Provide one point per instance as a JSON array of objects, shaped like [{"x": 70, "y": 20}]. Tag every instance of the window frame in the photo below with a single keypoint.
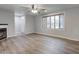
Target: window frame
[
  {"x": 55, "y": 21},
  {"x": 46, "y": 23}
]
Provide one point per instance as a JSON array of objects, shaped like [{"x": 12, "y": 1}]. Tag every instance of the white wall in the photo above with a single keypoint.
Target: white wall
[
  {"x": 71, "y": 25},
  {"x": 7, "y": 17},
  {"x": 29, "y": 24}
]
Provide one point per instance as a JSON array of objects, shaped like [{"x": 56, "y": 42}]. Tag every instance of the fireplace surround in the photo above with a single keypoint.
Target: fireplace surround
[{"x": 3, "y": 33}]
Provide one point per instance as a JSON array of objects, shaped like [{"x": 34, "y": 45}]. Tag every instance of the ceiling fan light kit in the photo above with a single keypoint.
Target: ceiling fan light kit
[{"x": 36, "y": 10}]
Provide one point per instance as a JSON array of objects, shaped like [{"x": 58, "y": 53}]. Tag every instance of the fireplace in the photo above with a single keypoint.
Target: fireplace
[{"x": 3, "y": 33}]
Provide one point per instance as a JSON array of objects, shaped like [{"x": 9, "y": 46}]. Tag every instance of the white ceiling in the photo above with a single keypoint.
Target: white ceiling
[{"x": 24, "y": 8}]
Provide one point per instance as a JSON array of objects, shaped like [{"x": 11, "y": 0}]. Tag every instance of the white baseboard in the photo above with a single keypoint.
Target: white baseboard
[
  {"x": 63, "y": 37},
  {"x": 19, "y": 34},
  {"x": 69, "y": 38},
  {"x": 11, "y": 36}
]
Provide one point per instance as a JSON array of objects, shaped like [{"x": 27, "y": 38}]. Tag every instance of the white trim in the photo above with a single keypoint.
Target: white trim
[
  {"x": 18, "y": 35},
  {"x": 69, "y": 38},
  {"x": 11, "y": 36}
]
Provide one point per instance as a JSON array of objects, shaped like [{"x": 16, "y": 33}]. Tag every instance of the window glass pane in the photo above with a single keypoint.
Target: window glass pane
[
  {"x": 52, "y": 22},
  {"x": 57, "y": 21},
  {"x": 48, "y": 22},
  {"x": 43, "y": 22},
  {"x": 61, "y": 21}
]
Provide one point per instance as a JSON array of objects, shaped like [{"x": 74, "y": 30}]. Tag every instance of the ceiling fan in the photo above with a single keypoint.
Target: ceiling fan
[{"x": 35, "y": 9}]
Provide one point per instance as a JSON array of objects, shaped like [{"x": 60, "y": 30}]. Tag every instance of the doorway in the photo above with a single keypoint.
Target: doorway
[{"x": 19, "y": 24}]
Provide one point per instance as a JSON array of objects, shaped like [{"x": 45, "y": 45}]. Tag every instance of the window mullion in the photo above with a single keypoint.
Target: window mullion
[
  {"x": 46, "y": 22},
  {"x": 59, "y": 21},
  {"x": 54, "y": 22},
  {"x": 50, "y": 22}
]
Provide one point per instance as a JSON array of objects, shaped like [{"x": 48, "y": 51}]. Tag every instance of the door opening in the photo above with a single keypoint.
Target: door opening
[{"x": 19, "y": 24}]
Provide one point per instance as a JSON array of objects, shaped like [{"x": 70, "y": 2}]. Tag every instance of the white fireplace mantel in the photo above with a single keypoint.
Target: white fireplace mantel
[{"x": 3, "y": 26}]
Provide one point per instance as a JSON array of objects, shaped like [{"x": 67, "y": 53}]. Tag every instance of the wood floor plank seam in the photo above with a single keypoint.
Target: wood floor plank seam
[{"x": 38, "y": 44}]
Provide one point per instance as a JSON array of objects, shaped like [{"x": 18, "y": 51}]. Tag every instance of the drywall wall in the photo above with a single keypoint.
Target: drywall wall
[
  {"x": 29, "y": 24},
  {"x": 71, "y": 25},
  {"x": 7, "y": 17}
]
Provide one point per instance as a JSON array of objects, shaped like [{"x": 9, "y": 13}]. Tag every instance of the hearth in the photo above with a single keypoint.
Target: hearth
[{"x": 3, "y": 33}]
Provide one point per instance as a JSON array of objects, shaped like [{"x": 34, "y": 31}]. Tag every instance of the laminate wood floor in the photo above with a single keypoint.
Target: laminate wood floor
[{"x": 38, "y": 44}]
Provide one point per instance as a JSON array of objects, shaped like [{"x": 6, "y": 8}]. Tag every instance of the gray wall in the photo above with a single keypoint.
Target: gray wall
[
  {"x": 7, "y": 17},
  {"x": 71, "y": 25},
  {"x": 29, "y": 24}
]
